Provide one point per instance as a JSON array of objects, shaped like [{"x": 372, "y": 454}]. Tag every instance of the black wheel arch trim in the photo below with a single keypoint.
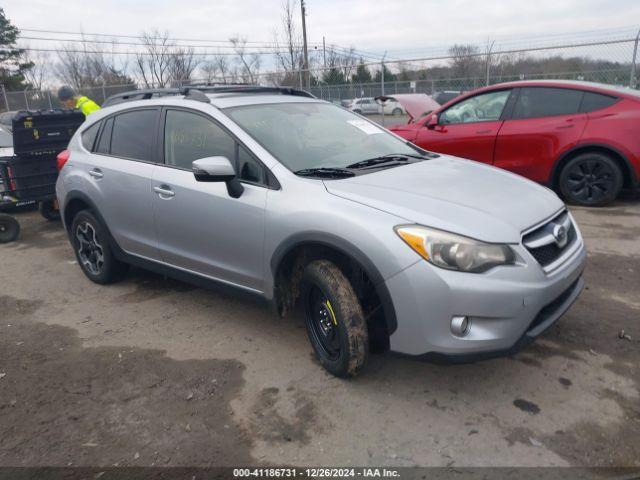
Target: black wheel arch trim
[
  {"x": 348, "y": 249},
  {"x": 633, "y": 179}
]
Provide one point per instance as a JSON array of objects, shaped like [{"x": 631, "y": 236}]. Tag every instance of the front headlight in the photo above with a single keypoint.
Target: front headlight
[{"x": 455, "y": 252}]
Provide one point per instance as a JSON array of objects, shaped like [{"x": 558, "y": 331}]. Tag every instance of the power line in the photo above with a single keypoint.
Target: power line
[
  {"x": 120, "y": 52},
  {"x": 116, "y": 35},
  {"x": 63, "y": 40}
]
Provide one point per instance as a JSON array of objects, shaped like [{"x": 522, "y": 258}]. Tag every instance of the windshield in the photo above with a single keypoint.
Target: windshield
[{"x": 314, "y": 135}]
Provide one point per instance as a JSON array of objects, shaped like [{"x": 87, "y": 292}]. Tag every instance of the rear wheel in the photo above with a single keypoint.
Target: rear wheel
[
  {"x": 9, "y": 228},
  {"x": 591, "y": 179},
  {"x": 334, "y": 319},
  {"x": 397, "y": 111},
  {"x": 92, "y": 249}
]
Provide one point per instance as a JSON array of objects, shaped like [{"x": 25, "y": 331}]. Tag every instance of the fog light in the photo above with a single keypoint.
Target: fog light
[{"x": 460, "y": 326}]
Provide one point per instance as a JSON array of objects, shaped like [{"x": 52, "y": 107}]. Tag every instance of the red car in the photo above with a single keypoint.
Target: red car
[{"x": 581, "y": 139}]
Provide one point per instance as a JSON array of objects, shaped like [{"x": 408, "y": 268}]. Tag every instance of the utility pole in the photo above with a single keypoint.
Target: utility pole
[
  {"x": 307, "y": 77},
  {"x": 324, "y": 53},
  {"x": 382, "y": 84},
  {"x": 632, "y": 80}
]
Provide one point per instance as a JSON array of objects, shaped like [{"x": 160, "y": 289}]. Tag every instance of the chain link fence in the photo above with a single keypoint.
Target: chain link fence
[{"x": 606, "y": 58}]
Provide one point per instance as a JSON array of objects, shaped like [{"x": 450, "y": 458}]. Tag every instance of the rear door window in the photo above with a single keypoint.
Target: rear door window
[
  {"x": 538, "y": 102},
  {"x": 133, "y": 134},
  {"x": 104, "y": 145},
  {"x": 596, "y": 101}
]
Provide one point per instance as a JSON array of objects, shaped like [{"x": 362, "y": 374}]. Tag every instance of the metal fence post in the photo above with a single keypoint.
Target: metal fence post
[
  {"x": 49, "y": 98},
  {"x": 26, "y": 100},
  {"x": 4, "y": 95},
  {"x": 632, "y": 79}
]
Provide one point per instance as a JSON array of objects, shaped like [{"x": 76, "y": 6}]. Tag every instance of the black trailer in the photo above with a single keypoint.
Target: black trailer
[{"x": 29, "y": 175}]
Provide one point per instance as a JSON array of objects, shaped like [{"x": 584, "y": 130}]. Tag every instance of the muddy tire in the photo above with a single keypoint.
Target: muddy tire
[
  {"x": 335, "y": 323},
  {"x": 93, "y": 251}
]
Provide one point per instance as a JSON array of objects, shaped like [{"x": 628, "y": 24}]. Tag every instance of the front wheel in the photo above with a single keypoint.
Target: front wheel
[
  {"x": 591, "y": 179},
  {"x": 9, "y": 228},
  {"x": 335, "y": 323},
  {"x": 92, "y": 249},
  {"x": 397, "y": 111}
]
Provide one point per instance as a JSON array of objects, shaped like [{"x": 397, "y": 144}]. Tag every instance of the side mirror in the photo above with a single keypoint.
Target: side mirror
[
  {"x": 217, "y": 169},
  {"x": 432, "y": 122}
]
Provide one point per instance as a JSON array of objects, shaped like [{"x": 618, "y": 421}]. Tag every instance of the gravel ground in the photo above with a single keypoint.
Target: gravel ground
[{"x": 156, "y": 372}]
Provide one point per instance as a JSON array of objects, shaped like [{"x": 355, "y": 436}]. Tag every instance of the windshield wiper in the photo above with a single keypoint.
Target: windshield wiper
[
  {"x": 326, "y": 172},
  {"x": 401, "y": 158}
]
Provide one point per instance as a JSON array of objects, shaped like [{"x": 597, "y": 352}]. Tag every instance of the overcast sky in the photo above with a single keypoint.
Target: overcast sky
[{"x": 402, "y": 27}]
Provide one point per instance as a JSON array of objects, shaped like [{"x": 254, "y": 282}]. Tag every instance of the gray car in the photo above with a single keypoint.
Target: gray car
[{"x": 383, "y": 245}]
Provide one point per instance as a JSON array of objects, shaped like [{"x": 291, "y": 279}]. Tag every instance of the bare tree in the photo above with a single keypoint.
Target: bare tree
[
  {"x": 218, "y": 68},
  {"x": 183, "y": 64},
  {"x": 153, "y": 65},
  {"x": 249, "y": 63},
  {"x": 38, "y": 74},
  {"x": 341, "y": 65},
  {"x": 465, "y": 61},
  {"x": 291, "y": 60},
  {"x": 90, "y": 65}
]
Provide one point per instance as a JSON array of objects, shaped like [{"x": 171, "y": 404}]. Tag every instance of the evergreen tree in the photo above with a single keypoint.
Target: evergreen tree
[
  {"x": 388, "y": 76},
  {"x": 11, "y": 67},
  {"x": 362, "y": 75}
]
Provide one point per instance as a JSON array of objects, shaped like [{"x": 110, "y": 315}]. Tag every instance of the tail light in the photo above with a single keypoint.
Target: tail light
[
  {"x": 62, "y": 158},
  {"x": 12, "y": 183}
]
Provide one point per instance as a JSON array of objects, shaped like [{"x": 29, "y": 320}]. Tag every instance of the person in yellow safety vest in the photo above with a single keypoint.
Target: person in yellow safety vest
[{"x": 71, "y": 99}]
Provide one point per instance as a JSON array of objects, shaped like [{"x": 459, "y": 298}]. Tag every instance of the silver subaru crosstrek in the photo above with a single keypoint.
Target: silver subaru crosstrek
[{"x": 382, "y": 245}]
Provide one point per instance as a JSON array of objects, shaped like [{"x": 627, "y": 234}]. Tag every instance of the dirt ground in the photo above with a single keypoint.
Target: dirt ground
[{"x": 156, "y": 372}]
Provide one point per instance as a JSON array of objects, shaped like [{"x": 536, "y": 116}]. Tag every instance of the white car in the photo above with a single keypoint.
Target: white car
[{"x": 369, "y": 106}]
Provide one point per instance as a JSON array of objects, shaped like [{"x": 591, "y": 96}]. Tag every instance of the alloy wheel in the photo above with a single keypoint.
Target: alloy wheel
[
  {"x": 90, "y": 250},
  {"x": 590, "y": 180}
]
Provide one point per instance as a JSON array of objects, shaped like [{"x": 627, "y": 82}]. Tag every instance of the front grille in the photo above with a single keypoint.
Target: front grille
[
  {"x": 544, "y": 246},
  {"x": 548, "y": 254}
]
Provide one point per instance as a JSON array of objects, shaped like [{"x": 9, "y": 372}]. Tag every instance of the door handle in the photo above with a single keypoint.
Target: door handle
[
  {"x": 164, "y": 191},
  {"x": 96, "y": 173},
  {"x": 481, "y": 132}
]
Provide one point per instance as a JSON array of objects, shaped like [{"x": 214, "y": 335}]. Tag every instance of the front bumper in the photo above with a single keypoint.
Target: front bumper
[{"x": 508, "y": 307}]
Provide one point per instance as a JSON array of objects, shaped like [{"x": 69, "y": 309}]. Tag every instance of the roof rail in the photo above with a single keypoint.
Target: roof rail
[{"x": 198, "y": 93}]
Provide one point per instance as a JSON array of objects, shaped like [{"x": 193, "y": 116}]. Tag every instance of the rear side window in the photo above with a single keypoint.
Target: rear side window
[
  {"x": 596, "y": 101},
  {"x": 133, "y": 134},
  {"x": 546, "y": 102},
  {"x": 104, "y": 145},
  {"x": 89, "y": 136}
]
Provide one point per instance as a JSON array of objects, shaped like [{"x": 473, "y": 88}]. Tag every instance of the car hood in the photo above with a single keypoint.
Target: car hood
[
  {"x": 455, "y": 195},
  {"x": 417, "y": 105}
]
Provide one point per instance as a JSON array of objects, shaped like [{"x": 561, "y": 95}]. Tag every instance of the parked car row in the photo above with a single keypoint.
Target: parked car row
[{"x": 580, "y": 139}]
